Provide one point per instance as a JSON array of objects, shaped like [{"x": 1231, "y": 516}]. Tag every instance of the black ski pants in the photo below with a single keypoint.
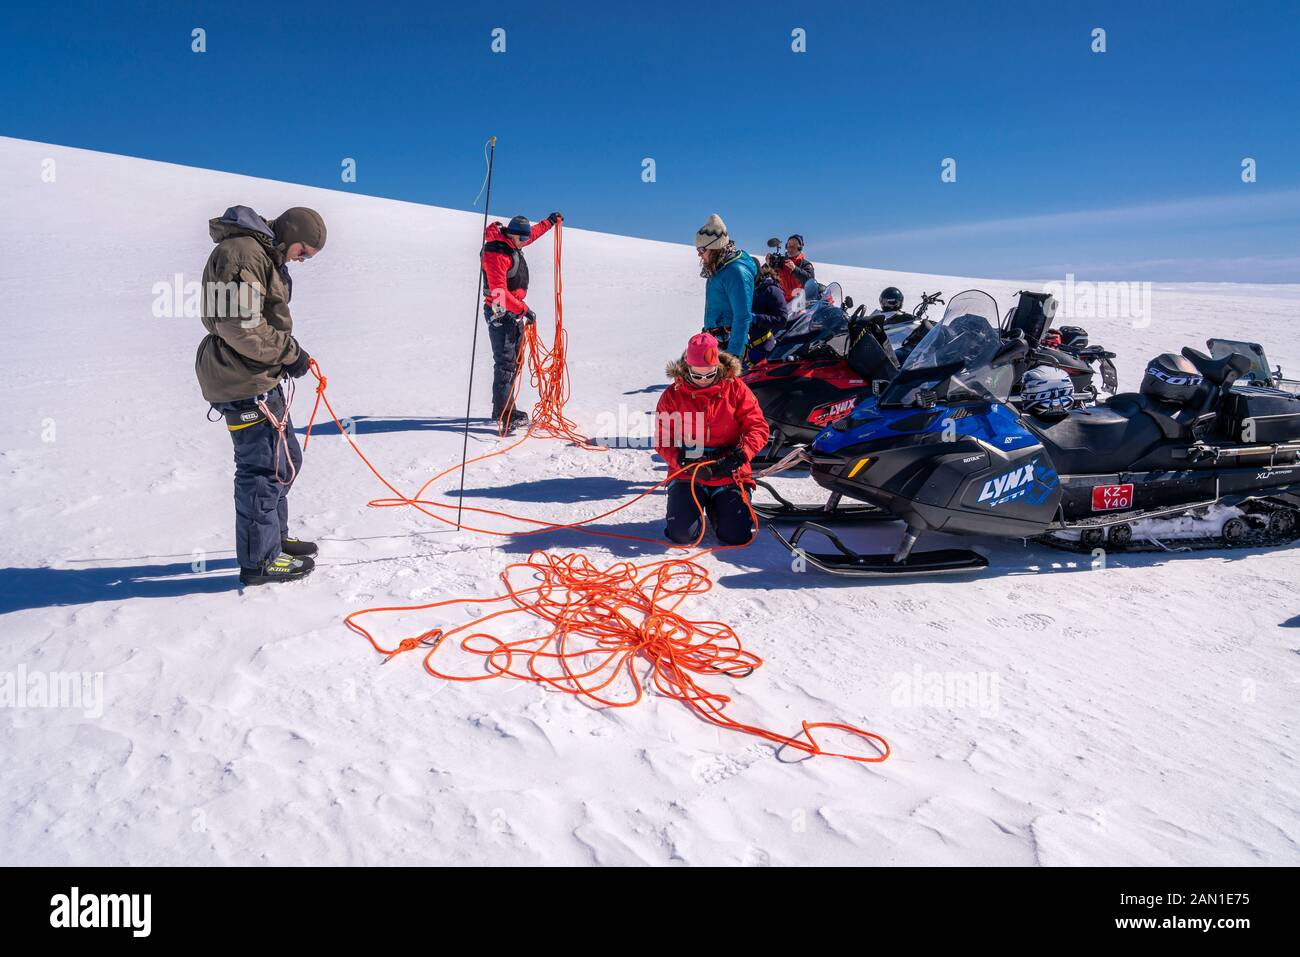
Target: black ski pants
[{"x": 724, "y": 507}]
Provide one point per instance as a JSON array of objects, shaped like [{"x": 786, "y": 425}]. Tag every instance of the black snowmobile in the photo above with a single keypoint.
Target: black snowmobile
[
  {"x": 1196, "y": 457},
  {"x": 821, "y": 384}
]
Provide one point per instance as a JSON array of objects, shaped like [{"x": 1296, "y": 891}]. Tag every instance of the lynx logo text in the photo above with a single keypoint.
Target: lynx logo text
[
  {"x": 102, "y": 910},
  {"x": 1007, "y": 486}
]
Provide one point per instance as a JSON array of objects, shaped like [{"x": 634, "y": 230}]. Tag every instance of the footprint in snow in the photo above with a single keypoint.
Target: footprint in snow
[
  {"x": 1035, "y": 622},
  {"x": 721, "y": 767}
]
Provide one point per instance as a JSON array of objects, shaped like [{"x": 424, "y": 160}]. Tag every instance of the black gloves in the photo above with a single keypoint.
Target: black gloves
[
  {"x": 298, "y": 367},
  {"x": 724, "y": 467},
  {"x": 554, "y": 218},
  {"x": 529, "y": 317}
]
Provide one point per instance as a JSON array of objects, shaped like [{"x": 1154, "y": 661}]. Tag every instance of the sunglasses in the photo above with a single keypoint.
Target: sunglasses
[{"x": 701, "y": 376}]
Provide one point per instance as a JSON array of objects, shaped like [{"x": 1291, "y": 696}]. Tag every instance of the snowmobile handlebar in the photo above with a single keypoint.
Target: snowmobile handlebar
[
  {"x": 927, "y": 300},
  {"x": 1013, "y": 349}
]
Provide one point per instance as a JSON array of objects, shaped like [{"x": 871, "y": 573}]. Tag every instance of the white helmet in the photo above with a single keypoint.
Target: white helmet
[{"x": 1046, "y": 390}]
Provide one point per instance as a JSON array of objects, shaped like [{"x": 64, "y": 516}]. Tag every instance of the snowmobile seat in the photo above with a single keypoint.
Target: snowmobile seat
[
  {"x": 1228, "y": 368},
  {"x": 1176, "y": 421},
  {"x": 1103, "y": 439}
]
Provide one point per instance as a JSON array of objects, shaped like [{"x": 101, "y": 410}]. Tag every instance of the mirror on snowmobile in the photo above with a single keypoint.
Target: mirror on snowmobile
[{"x": 848, "y": 302}]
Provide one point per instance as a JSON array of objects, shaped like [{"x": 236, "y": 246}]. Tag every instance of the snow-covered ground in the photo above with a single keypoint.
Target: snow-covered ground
[{"x": 1145, "y": 713}]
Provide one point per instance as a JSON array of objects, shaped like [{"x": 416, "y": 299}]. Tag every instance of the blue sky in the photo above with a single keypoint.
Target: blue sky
[{"x": 1124, "y": 164}]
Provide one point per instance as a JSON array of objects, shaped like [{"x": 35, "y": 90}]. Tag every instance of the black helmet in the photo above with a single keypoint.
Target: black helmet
[
  {"x": 1170, "y": 378},
  {"x": 519, "y": 226},
  {"x": 891, "y": 299}
]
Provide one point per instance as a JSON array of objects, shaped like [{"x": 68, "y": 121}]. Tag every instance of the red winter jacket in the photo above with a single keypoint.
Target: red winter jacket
[
  {"x": 726, "y": 412},
  {"x": 794, "y": 275},
  {"x": 505, "y": 272}
]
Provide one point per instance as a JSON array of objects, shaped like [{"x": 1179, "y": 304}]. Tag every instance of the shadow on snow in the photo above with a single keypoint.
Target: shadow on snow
[
  {"x": 26, "y": 588},
  {"x": 378, "y": 424}
]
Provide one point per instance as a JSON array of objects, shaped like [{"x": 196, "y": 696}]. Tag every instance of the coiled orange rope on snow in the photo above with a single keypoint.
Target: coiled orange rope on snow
[{"x": 598, "y": 623}]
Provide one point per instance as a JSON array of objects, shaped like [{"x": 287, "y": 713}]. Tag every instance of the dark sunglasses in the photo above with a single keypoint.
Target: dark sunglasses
[{"x": 698, "y": 377}]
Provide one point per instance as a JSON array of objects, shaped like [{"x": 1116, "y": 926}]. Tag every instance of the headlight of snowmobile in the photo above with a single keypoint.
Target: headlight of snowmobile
[{"x": 858, "y": 466}]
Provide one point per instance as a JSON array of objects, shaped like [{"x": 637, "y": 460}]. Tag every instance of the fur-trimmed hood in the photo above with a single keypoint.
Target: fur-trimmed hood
[{"x": 730, "y": 368}]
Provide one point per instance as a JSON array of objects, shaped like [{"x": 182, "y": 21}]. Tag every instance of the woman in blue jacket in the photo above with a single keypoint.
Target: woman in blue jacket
[{"x": 729, "y": 292}]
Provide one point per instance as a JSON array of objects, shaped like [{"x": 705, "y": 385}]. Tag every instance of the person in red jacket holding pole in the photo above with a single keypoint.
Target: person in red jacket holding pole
[
  {"x": 708, "y": 414},
  {"x": 505, "y": 287}
]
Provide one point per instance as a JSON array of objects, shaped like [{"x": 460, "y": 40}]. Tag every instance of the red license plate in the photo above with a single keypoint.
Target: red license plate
[{"x": 1107, "y": 498}]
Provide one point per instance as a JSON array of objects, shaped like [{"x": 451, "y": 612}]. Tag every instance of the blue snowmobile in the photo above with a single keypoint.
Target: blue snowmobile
[{"x": 1204, "y": 454}]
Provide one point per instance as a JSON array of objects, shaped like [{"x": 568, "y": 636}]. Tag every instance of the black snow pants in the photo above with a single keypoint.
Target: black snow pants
[
  {"x": 504, "y": 333},
  {"x": 724, "y": 506},
  {"x": 262, "y": 477}
]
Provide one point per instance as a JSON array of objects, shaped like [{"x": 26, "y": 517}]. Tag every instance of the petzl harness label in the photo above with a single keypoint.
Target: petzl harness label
[{"x": 243, "y": 418}]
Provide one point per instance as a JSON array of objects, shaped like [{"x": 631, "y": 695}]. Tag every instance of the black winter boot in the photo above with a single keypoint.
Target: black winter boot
[
  {"x": 282, "y": 568},
  {"x": 516, "y": 421},
  {"x": 298, "y": 548}
]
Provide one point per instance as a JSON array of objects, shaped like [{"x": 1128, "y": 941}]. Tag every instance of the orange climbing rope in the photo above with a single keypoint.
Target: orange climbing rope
[
  {"x": 599, "y": 624},
  {"x": 548, "y": 370}
]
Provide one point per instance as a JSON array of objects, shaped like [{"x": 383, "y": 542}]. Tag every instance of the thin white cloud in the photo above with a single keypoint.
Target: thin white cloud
[{"x": 1270, "y": 205}]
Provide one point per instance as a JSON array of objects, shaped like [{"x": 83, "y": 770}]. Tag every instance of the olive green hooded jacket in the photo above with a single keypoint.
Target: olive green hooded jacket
[{"x": 246, "y": 292}]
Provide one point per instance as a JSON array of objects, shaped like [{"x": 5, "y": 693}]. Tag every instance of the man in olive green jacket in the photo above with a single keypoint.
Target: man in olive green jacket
[{"x": 249, "y": 348}]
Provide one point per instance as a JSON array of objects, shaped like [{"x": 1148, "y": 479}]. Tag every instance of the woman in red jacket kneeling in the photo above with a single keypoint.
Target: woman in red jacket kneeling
[{"x": 708, "y": 415}]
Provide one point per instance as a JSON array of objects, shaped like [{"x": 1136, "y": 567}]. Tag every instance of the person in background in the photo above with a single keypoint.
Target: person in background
[
  {"x": 771, "y": 314},
  {"x": 707, "y": 414},
  {"x": 248, "y": 349},
  {"x": 792, "y": 270},
  {"x": 505, "y": 289},
  {"x": 729, "y": 291}
]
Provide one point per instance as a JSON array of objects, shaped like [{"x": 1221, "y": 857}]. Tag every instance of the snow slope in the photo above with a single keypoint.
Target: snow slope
[{"x": 1145, "y": 713}]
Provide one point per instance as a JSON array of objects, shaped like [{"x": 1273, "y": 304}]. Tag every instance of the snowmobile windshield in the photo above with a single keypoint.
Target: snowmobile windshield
[
  {"x": 955, "y": 359},
  {"x": 821, "y": 322},
  {"x": 898, "y": 332},
  {"x": 1259, "y": 372}
]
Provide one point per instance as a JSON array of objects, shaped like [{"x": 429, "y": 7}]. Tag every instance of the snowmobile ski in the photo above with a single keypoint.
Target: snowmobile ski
[
  {"x": 831, "y": 511},
  {"x": 904, "y": 562}
]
